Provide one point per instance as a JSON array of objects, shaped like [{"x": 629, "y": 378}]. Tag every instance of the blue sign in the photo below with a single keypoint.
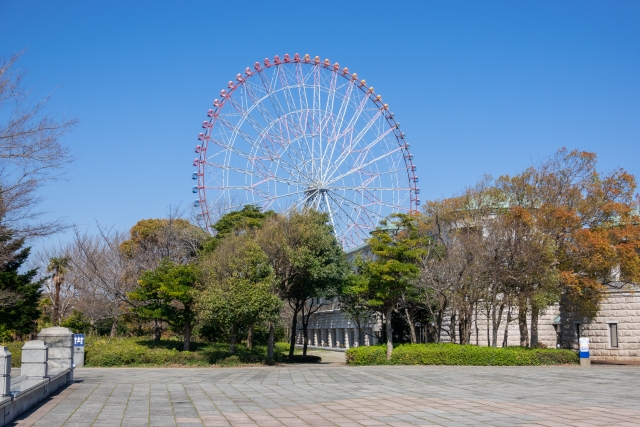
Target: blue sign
[{"x": 78, "y": 340}]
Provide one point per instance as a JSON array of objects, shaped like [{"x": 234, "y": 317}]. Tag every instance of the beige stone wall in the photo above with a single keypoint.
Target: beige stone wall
[{"x": 623, "y": 309}]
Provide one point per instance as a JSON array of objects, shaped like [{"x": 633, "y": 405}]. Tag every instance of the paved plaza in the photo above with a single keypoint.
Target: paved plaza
[{"x": 333, "y": 395}]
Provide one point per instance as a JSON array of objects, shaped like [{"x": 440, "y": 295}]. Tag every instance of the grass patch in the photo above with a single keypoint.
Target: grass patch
[{"x": 454, "y": 354}]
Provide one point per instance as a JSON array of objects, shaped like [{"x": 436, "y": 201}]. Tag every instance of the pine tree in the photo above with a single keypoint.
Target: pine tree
[{"x": 18, "y": 316}]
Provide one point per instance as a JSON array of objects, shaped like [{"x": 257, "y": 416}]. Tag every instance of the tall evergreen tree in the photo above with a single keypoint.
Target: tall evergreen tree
[{"x": 19, "y": 315}]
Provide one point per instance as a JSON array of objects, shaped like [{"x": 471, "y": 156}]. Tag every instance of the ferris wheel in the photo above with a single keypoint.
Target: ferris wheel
[{"x": 297, "y": 133}]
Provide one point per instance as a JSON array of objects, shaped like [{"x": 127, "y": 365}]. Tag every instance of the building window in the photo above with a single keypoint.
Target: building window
[{"x": 613, "y": 333}]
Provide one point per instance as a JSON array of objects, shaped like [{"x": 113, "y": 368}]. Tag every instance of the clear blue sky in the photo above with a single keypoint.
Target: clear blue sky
[{"x": 479, "y": 86}]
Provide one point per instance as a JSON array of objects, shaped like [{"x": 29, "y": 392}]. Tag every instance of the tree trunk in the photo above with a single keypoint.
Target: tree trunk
[
  {"x": 270, "y": 341},
  {"x": 186, "y": 334},
  {"x": 56, "y": 305},
  {"x": 495, "y": 323},
  {"x": 158, "y": 331},
  {"x": 232, "y": 347},
  {"x": 535, "y": 312},
  {"x": 294, "y": 327},
  {"x": 114, "y": 327},
  {"x": 412, "y": 327},
  {"x": 505, "y": 340},
  {"x": 438, "y": 325},
  {"x": 522, "y": 321},
  {"x": 305, "y": 335},
  {"x": 387, "y": 320},
  {"x": 250, "y": 337},
  {"x": 452, "y": 327}
]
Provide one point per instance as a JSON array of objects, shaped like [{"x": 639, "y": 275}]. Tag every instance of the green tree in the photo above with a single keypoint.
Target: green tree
[
  {"x": 307, "y": 260},
  {"x": 248, "y": 218},
  {"x": 59, "y": 267},
  {"x": 20, "y": 309},
  {"x": 398, "y": 248},
  {"x": 77, "y": 322},
  {"x": 354, "y": 297},
  {"x": 169, "y": 293},
  {"x": 238, "y": 280}
]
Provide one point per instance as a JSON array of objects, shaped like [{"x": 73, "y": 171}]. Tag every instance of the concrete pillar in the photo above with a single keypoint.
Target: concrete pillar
[
  {"x": 347, "y": 340},
  {"x": 316, "y": 338},
  {"x": 330, "y": 338},
  {"x": 367, "y": 336},
  {"x": 373, "y": 338},
  {"x": 34, "y": 359},
  {"x": 5, "y": 372},
  {"x": 60, "y": 344},
  {"x": 356, "y": 337}
]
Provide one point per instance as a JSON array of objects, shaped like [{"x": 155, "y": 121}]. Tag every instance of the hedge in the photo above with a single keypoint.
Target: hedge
[
  {"x": 104, "y": 352},
  {"x": 454, "y": 354}
]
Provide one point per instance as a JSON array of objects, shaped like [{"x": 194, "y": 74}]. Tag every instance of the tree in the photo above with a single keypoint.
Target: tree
[
  {"x": 169, "y": 293},
  {"x": 238, "y": 280},
  {"x": 59, "y": 267},
  {"x": 591, "y": 219},
  {"x": 18, "y": 316},
  {"x": 31, "y": 153},
  {"x": 307, "y": 261},
  {"x": 100, "y": 275},
  {"x": 153, "y": 240},
  {"x": 249, "y": 218},
  {"x": 398, "y": 248},
  {"x": 354, "y": 297}
]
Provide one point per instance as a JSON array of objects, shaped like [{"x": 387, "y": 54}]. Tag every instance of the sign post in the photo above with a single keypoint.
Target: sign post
[
  {"x": 78, "y": 350},
  {"x": 584, "y": 352}
]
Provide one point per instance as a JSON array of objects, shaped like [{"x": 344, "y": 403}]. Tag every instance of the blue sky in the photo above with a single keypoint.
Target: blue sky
[{"x": 480, "y": 87}]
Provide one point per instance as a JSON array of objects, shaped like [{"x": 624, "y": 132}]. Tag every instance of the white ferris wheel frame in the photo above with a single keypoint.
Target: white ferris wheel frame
[{"x": 292, "y": 167}]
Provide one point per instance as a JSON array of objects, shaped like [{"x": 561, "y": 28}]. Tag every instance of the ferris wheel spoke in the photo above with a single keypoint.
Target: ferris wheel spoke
[
  {"x": 365, "y": 151},
  {"x": 304, "y": 104},
  {"x": 356, "y": 115},
  {"x": 344, "y": 106},
  {"x": 358, "y": 206},
  {"x": 363, "y": 188},
  {"x": 359, "y": 168},
  {"x": 333, "y": 223},
  {"x": 350, "y": 222},
  {"x": 252, "y": 172},
  {"x": 275, "y": 102},
  {"x": 269, "y": 154}
]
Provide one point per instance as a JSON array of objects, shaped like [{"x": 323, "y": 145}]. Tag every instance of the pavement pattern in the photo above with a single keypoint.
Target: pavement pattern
[{"x": 333, "y": 395}]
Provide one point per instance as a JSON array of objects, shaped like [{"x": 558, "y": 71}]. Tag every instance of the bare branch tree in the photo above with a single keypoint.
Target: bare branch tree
[{"x": 30, "y": 152}]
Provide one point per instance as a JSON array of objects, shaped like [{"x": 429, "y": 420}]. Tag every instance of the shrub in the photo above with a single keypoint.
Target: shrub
[
  {"x": 454, "y": 354},
  {"x": 105, "y": 352}
]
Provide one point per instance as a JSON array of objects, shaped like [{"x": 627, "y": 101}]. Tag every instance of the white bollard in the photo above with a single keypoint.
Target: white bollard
[{"x": 585, "y": 361}]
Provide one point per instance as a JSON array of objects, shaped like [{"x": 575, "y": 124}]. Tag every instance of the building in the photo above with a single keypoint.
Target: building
[{"x": 614, "y": 334}]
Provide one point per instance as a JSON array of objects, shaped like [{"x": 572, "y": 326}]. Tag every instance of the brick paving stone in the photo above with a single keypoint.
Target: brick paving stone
[{"x": 336, "y": 395}]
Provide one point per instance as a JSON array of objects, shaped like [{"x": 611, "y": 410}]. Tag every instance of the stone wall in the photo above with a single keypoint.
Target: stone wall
[{"x": 622, "y": 309}]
